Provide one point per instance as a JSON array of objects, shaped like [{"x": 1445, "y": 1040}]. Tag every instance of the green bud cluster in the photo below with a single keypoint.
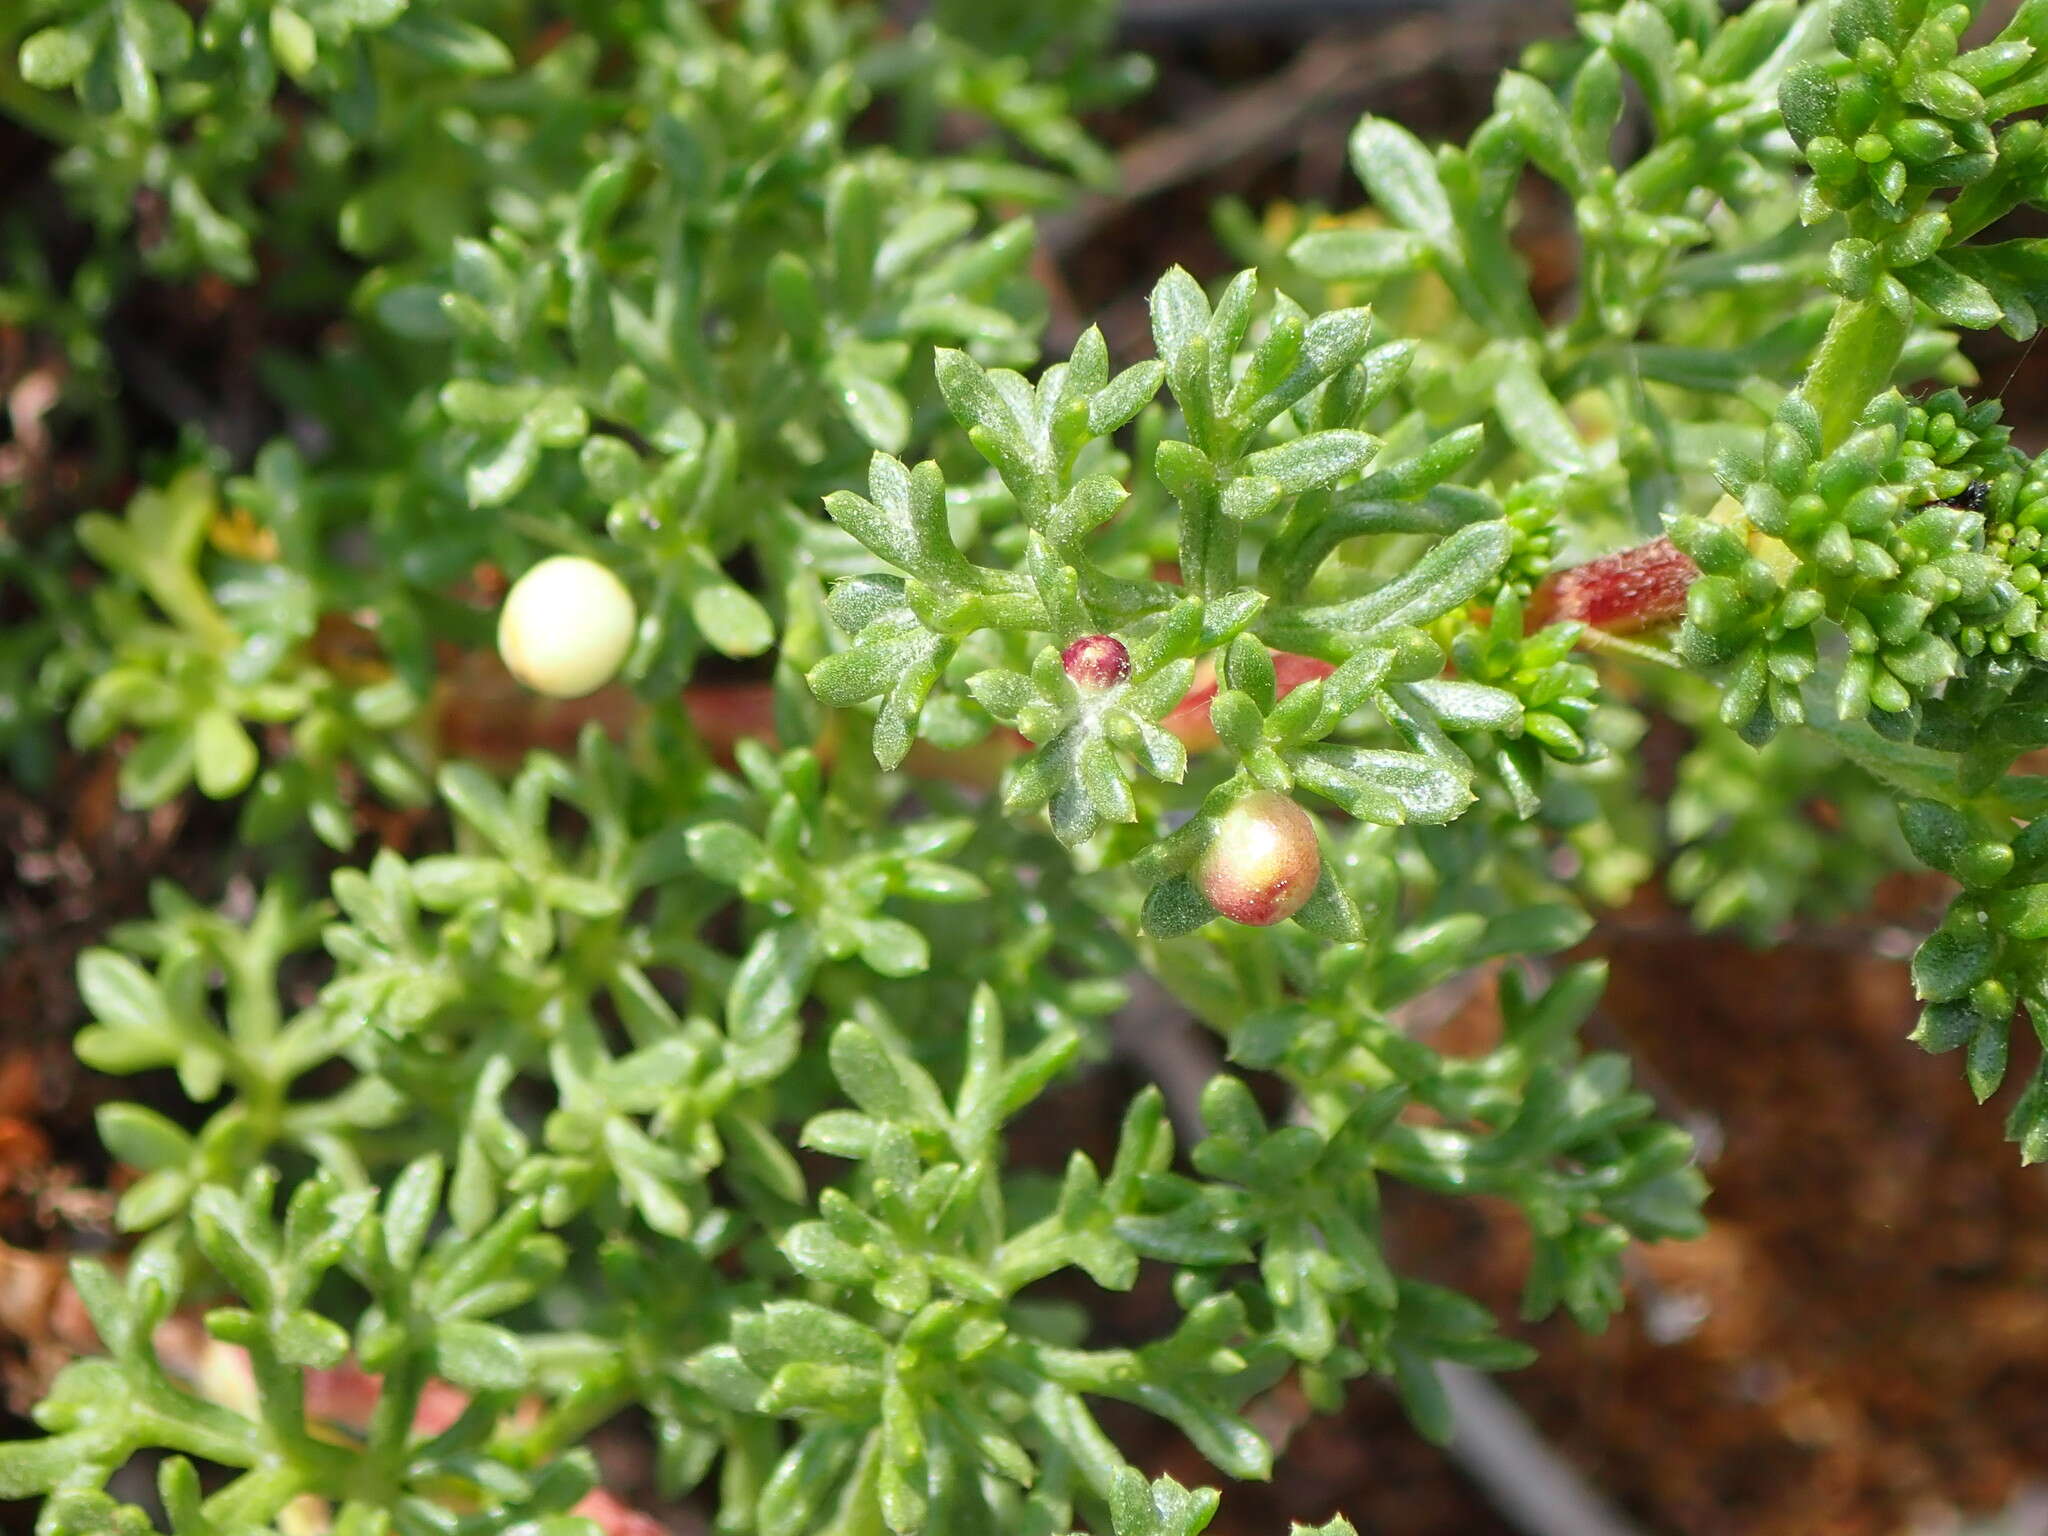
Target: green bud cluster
[
  {"x": 1964, "y": 441},
  {"x": 1557, "y": 692},
  {"x": 1987, "y": 957},
  {"x": 2016, "y": 526},
  {"x": 1533, "y": 516},
  {"x": 1902, "y": 114},
  {"x": 1867, "y": 544},
  {"x": 1895, "y": 115}
]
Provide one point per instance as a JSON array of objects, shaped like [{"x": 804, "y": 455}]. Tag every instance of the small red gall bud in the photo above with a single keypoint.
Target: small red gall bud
[
  {"x": 1096, "y": 662},
  {"x": 1262, "y": 863},
  {"x": 1629, "y": 590}
]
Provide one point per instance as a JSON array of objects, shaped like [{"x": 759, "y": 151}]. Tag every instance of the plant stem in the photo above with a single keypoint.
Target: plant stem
[{"x": 1855, "y": 362}]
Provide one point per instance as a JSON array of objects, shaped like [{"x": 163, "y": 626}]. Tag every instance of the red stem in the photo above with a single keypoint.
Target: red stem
[{"x": 1622, "y": 593}]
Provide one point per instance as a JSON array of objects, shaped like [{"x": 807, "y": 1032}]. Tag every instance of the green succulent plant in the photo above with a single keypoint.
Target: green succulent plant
[{"x": 682, "y": 1078}]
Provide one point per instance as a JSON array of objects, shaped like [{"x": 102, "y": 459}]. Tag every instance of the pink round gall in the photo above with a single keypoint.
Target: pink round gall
[
  {"x": 1096, "y": 662},
  {"x": 1262, "y": 863}
]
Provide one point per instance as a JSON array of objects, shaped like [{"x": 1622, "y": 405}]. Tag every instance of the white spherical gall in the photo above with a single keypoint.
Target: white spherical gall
[
  {"x": 566, "y": 627},
  {"x": 1262, "y": 863}
]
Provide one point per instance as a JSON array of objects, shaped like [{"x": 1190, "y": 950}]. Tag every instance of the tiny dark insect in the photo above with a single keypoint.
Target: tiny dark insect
[{"x": 1970, "y": 498}]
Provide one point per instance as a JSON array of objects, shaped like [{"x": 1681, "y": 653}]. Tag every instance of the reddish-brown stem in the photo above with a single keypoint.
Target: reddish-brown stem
[{"x": 1622, "y": 593}]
